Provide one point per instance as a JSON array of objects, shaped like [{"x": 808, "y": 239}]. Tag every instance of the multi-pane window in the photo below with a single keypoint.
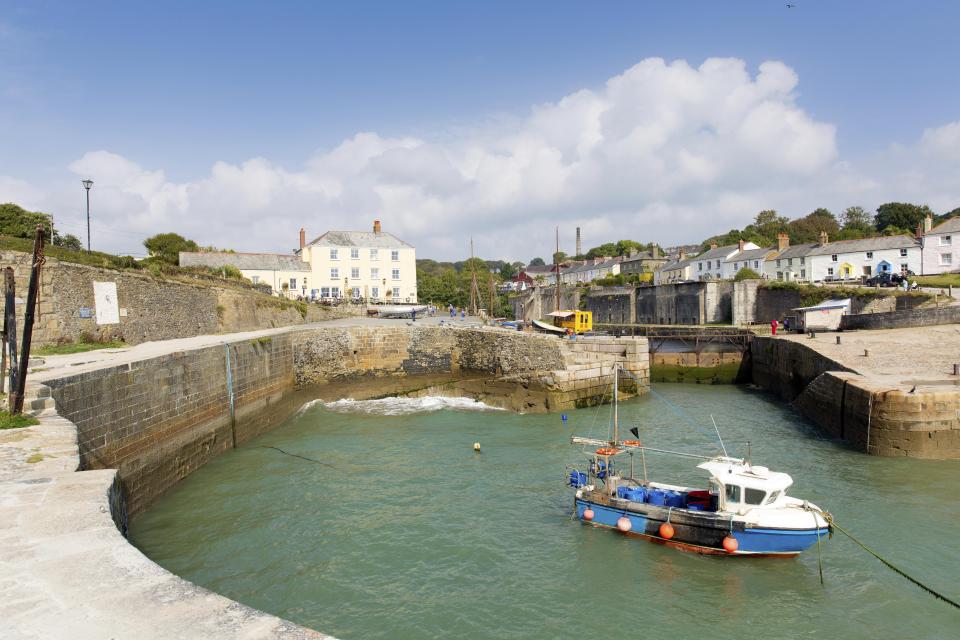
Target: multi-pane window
[
  {"x": 324, "y": 292},
  {"x": 255, "y": 279},
  {"x": 801, "y": 260},
  {"x": 335, "y": 292},
  {"x": 778, "y": 262},
  {"x": 869, "y": 255},
  {"x": 355, "y": 273},
  {"x": 374, "y": 273},
  {"x": 833, "y": 258},
  {"x": 903, "y": 253},
  {"x": 395, "y": 274},
  {"x": 374, "y": 254},
  {"x": 830, "y": 271},
  {"x": 945, "y": 258},
  {"x": 803, "y": 273},
  {"x": 904, "y": 267},
  {"x": 789, "y": 262},
  {"x": 375, "y": 292},
  {"x": 396, "y": 292},
  {"x": 756, "y": 264},
  {"x": 334, "y": 273},
  {"x": 293, "y": 283},
  {"x": 395, "y": 255},
  {"x": 334, "y": 254},
  {"x": 946, "y": 241},
  {"x": 354, "y": 254}
]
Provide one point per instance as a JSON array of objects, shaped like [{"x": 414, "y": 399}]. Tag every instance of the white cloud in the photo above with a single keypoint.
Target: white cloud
[{"x": 663, "y": 151}]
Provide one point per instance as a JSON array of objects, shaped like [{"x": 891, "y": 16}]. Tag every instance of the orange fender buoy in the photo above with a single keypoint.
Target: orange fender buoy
[
  {"x": 588, "y": 514},
  {"x": 632, "y": 443},
  {"x": 607, "y": 451},
  {"x": 624, "y": 524},
  {"x": 666, "y": 531},
  {"x": 730, "y": 544}
]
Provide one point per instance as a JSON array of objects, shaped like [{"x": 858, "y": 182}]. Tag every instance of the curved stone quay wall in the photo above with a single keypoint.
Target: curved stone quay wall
[
  {"x": 127, "y": 433},
  {"x": 869, "y": 414}
]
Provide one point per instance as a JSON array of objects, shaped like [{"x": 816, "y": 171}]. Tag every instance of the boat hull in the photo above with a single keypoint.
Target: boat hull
[{"x": 701, "y": 532}]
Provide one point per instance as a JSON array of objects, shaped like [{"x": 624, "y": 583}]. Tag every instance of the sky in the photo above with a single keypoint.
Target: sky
[{"x": 236, "y": 123}]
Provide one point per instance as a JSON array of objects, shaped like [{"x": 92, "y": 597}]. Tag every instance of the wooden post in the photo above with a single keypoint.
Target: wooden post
[
  {"x": 16, "y": 395},
  {"x": 10, "y": 326}
]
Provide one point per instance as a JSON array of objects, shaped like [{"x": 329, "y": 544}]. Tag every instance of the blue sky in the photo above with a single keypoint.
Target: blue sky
[{"x": 176, "y": 87}]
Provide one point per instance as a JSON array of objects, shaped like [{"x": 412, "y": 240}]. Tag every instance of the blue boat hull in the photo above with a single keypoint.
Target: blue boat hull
[{"x": 702, "y": 532}]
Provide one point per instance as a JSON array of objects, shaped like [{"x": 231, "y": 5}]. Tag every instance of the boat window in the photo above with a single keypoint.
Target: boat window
[
  {"x": 754, "y": 496},
  {"x": 773, "y": 497},
  {"x": 733, "y": 493}
]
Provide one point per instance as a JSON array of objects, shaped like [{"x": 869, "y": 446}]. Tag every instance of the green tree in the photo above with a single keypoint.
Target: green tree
[
  {"x": 809, "y": 227},
  {"x": 68, "y": 241},
  {"x": 559, "y": 257},
  {"x": 536, "y": 262},
  {"x": 605, "y": 250},
  {"x": 902, "y": 215},
  {"x": 507, "y": 270},
  {"x": 747, "y": 274},
  {"x": 625, "y": 247},
  {"x": 166, "y": 247},
  {"x": 949, "y": 214},
  {"x": 856, "y": 219},
  {"x": 18, "y": 222}
]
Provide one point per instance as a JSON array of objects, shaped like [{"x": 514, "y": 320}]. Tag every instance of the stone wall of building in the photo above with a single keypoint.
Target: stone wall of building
[
  {"x": 150, "y": 308},
  {"x": 754, "y": 303},
  {"x": 536, "y": 303}
]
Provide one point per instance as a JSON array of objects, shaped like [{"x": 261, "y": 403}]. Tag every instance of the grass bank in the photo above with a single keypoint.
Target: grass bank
[
  {"x": 941, "y": 280},
  {"x": 8, "y": 421},
  {"x": 77, "y": 347}
]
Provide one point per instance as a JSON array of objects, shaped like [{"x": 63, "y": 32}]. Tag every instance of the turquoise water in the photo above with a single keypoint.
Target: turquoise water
[{"x": 405, "y": 532}]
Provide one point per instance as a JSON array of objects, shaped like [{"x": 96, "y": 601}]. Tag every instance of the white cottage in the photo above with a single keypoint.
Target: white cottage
[
  {"x": 941, "y": 246},
  {"x": 709, "y": 265}
]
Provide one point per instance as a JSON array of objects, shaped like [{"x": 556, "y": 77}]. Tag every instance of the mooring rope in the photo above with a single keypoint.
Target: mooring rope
[
  {"x": 296, "y": 455},
  {"x": 833, "y": 525}
]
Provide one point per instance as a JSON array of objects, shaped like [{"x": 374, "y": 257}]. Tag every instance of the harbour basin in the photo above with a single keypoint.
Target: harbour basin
[{"x": 396, "y": 528}]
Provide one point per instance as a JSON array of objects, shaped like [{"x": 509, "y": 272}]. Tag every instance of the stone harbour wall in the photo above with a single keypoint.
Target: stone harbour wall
[
  {"x": 901, "y": 319},
  {"x": 848, "y": 406}
]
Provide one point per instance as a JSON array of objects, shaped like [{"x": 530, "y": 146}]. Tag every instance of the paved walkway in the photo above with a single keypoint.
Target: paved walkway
[
  {"x": 57, "y": 366},
  {"x": 903, "y": 358}
]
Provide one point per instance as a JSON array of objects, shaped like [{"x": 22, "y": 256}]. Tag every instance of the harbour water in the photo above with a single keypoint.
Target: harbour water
[{"x": 401, "y": 530}]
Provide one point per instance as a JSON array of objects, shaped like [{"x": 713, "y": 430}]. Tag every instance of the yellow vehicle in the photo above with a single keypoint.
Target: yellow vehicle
[{"x": 576, "y": 321}]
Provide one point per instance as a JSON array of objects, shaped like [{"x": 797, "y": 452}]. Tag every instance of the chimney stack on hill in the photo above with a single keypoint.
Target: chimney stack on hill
[
  {"x": 578, "y": 242},
  {"x": 376, "y": 226},
  {"x": 303, "y": 238},
  {"x": 824, "y": 239}
]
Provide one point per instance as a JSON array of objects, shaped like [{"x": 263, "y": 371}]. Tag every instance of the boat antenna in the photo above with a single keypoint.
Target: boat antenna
[
  {"x": 616, "y": 416},
  {"x": 718, "y": 436}
]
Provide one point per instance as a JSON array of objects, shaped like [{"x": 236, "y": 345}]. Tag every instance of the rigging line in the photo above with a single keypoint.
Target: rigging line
[
  {"x": 832, "y": 524},
  {"x": 677, "y": 410},
  {"x": 296, "y": 455}
]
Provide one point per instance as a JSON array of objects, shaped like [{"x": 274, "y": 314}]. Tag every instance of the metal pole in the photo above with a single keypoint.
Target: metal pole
[
  {"x": 10, "y": 326},
  {"x": 88, "y": 218}
]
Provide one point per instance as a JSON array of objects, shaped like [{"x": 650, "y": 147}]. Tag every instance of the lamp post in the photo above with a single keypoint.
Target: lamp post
[
  {"x": 346, "y": 283},
  {"x": 86, "y": 185}
]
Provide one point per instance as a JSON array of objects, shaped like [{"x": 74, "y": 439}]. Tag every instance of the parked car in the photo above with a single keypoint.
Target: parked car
[{"x": 887, "y": 279}]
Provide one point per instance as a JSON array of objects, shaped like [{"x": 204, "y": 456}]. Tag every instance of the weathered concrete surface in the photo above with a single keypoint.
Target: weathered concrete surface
[
  {"x": 900, "y": 400},
  {"x": 66, "y": 571}
]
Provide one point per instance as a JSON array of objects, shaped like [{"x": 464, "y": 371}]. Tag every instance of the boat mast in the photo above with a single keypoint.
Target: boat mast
[
  {"x": 616, "y": 413},
  {"x": 556, "y": 263}
]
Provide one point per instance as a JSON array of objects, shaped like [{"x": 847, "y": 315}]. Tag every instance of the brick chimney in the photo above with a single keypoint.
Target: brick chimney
[
  {"x": 655, "y": 252},
  {"x": 740, "y": 244},
  {"x": 376, "y": 226},
  {"x": 303, "y": 237},
  {"x": 927, "y": 223},
  {"x": 578, "y": 241},
  {"x": 683, "y": 254},
  {"x": 713, "y": 245},
  {"x": 824, "y": 239},
  {"x": 783, "y": 241},
  {"x": 919, "y": 232}
]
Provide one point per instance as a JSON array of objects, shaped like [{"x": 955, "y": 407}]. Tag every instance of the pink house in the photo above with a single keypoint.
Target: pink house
[{"x": 941, "y": 247}]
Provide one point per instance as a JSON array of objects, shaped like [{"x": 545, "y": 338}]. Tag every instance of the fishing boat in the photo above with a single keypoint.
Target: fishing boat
[
  {"x": 743, "y": 509},
  {"x": 399, "y": 310}
]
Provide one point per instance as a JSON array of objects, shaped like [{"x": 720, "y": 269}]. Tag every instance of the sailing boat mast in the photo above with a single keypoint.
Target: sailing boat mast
[
  {"x": 556, "y": 262},
  {"x": 474, "y": 289}
]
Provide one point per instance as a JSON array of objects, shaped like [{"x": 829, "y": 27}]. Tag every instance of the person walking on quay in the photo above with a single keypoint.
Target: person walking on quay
[
  {"x": 773, "y": 326},
  {"x": 786, "y": 325},
  {"x": 463, "y": 314},
  {"x": 452, "y": 312},
  {"x": 413, "y": 314}
]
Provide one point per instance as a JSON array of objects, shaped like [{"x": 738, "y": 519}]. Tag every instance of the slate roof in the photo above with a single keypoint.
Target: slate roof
[
  {"x": 864, "y": 244},
  {"x": 752, "y": 254},
  {"x": 677, "y": 264},
  {"x": 719, "y": 252},
  {"x": 796, "y": 251},
  {"x": 244, "y": 261},
  {"x": 590, "y": 266},
  {"x": 363, "y": 239},
  {"x": 947, "y": 226}
]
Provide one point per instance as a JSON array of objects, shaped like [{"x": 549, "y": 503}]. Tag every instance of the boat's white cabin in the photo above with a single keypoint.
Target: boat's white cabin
[{"x": 741, "y": 486}]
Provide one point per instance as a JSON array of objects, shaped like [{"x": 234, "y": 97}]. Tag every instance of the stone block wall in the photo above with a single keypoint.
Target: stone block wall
[
  {"x": 611, "y": 305},
  {"x": 150, "y": 308},
  {"x": 900, "y": 319},
  {"x": 158, "y": 420},
  {"x": 536, "y": 303},
  {"x": 847, "y": 406}
]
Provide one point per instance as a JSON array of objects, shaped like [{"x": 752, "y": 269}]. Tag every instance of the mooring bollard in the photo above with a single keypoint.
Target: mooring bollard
[
  {"x": 866, "y": 353},
  {"x": 838, "y": 339},
  {"x": 956, "y": 369}
]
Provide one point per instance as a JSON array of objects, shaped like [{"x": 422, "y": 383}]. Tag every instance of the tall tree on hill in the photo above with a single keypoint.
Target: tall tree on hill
[
  {"x": 946, "y": 216},
  {"x": 903, "y": 215},
  {"x": 536, "y": 262},
  {"x": 559, "y": 257},
  {"x": 856, "y": 219},
  {"x": 166, "y": 247},
  {"x": 809, "y": 227},
  {"x": 18, "y": 222}
]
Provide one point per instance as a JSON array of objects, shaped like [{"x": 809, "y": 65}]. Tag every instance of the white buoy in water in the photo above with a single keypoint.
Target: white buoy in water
[{"x": 476, "y": 447}]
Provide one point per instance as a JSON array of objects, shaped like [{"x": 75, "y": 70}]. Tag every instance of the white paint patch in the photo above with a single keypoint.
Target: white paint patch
[{"x": 105, "y": 300}]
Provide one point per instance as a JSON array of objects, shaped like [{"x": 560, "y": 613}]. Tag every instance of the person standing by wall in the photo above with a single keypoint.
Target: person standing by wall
[{"x": 773, "y": 326}]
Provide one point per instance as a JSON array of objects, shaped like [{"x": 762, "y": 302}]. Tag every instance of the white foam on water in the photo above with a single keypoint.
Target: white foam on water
[
  {"x": 307, "y": 406},
  {"x": 395, "y": 406}
]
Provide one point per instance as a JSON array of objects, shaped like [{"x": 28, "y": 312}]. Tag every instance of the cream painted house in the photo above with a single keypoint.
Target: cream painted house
[
  {"x": 371, "y": 265},
  {"x": 374, "y": 265}
]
